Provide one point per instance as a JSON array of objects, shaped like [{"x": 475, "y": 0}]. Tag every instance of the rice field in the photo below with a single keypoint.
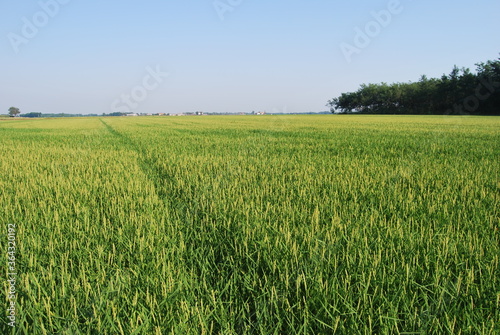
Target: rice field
[{"x": 253, "y": 224}]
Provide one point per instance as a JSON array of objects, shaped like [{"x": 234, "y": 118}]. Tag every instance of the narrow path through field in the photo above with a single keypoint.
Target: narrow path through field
[{"x": 147, "y": 165}]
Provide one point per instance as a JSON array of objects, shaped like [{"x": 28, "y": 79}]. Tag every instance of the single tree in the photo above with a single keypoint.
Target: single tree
[{"x": 14, "y": 111}]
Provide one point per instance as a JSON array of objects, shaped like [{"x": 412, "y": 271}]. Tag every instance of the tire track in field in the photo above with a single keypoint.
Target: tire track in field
[
  {"x": 124, "y": 138},
  {"x": 147, "y": 165},
  {"x": 165, "y": 185}
]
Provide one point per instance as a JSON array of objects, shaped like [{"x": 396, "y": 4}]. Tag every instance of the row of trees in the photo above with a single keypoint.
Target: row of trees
[
  {"x": 14, "y": 112},
  {"x": 462, "y": 92}
]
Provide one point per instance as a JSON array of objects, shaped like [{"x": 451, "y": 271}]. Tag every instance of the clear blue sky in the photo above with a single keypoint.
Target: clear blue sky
[{"x": 84, "y": 56}]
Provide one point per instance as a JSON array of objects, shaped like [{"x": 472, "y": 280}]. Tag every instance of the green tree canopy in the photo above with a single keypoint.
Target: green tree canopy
[
  {"x": 14, "y": 111},
  {"x": 461, "y": 92}
]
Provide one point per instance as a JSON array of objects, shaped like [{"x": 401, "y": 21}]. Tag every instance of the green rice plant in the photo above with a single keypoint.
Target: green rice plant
[{"x": 254, "y": 225}]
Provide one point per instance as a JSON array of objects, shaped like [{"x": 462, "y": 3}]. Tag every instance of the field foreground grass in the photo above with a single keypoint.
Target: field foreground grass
[{"x": 253, "y": 224}]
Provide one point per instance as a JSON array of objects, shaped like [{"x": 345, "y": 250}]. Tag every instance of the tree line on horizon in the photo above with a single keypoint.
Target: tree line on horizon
[{"x": 462, "y": 92}]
